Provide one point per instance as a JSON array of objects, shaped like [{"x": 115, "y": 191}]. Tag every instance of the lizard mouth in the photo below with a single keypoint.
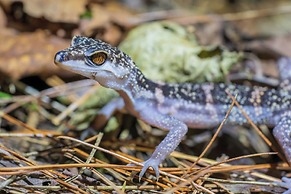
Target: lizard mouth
[
  {"x": 72, "y": 65},
  {"x": 78, "y": 65}
]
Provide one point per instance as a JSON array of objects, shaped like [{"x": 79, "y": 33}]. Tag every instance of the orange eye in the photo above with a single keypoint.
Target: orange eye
[{"x": 99, "y": 58}]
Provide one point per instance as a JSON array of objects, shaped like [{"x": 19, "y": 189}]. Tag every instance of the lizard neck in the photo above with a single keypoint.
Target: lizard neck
[
  {"x": 139, "y": 84},
  {"x": 136, "y": 86}
]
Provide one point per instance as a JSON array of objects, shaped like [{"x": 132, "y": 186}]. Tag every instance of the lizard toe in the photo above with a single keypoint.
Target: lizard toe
[
  {"x": 150, "y": 163},
  {"x": 286, "y": 183}
]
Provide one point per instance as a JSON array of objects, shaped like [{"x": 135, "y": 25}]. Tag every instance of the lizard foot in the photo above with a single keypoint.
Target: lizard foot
[
  {"x": 150, "y": 163},
  {"x": 286, "y": 183}
]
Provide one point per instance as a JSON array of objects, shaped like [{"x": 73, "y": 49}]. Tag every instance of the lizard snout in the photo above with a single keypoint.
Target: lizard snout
[{"x": 59, "y": 57}]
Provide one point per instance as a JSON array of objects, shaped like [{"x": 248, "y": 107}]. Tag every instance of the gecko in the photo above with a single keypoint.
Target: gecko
[{"x": 175, "y": 107}]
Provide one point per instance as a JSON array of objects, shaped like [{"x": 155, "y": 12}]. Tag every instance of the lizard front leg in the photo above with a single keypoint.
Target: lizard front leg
[
  {"x": 282, "y": 133},
  {"x": 107, "y": 111},
  {"x": 284, "y": 65},
  {"x": 177, "y": 131}
]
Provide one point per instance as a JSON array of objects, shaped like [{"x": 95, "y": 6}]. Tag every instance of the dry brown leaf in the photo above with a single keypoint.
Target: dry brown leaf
[
  {"x": 5, "y": 4},
  {"x": 29, "y": 54},
  {"x": 3, "y": 19},
  {"x": 281, "y": 44},
  {"x": 104, "y": 15},
  {"x": 113, "y": 35},
  {"x": 100, "y": 17},
  {"x": 120, "y": 14},
  {"x": 57, "y": 11}
]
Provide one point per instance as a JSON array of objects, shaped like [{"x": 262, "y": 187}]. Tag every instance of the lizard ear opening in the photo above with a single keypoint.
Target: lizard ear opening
[{"x": 98, "y": 58}]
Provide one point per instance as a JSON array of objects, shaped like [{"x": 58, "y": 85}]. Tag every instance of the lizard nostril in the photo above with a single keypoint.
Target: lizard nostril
[{"x": 58, "y": 57}]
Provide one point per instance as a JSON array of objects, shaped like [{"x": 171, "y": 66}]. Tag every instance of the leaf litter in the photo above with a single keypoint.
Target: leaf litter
[{"x": 40, "y": 131}]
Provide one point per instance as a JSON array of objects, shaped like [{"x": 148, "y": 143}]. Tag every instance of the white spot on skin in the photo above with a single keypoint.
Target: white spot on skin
[
  {"x": 159, "y": 95},
  {"x": 207, "y": 88},
  {"x": 255, "y": 99}
]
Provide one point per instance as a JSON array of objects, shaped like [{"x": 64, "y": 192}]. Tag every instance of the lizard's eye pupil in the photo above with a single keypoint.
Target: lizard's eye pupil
[{"x": 99, "y": 58}]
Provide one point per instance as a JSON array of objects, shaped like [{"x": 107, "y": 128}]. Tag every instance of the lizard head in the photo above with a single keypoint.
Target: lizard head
[{"x": 97, "y": 60}]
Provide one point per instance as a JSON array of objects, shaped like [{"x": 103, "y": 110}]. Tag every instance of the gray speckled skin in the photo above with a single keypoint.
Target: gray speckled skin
[{"x": 176, "y": 107}]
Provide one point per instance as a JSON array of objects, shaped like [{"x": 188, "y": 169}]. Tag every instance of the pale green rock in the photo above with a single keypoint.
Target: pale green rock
[{"x": 166, "y": 51}]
